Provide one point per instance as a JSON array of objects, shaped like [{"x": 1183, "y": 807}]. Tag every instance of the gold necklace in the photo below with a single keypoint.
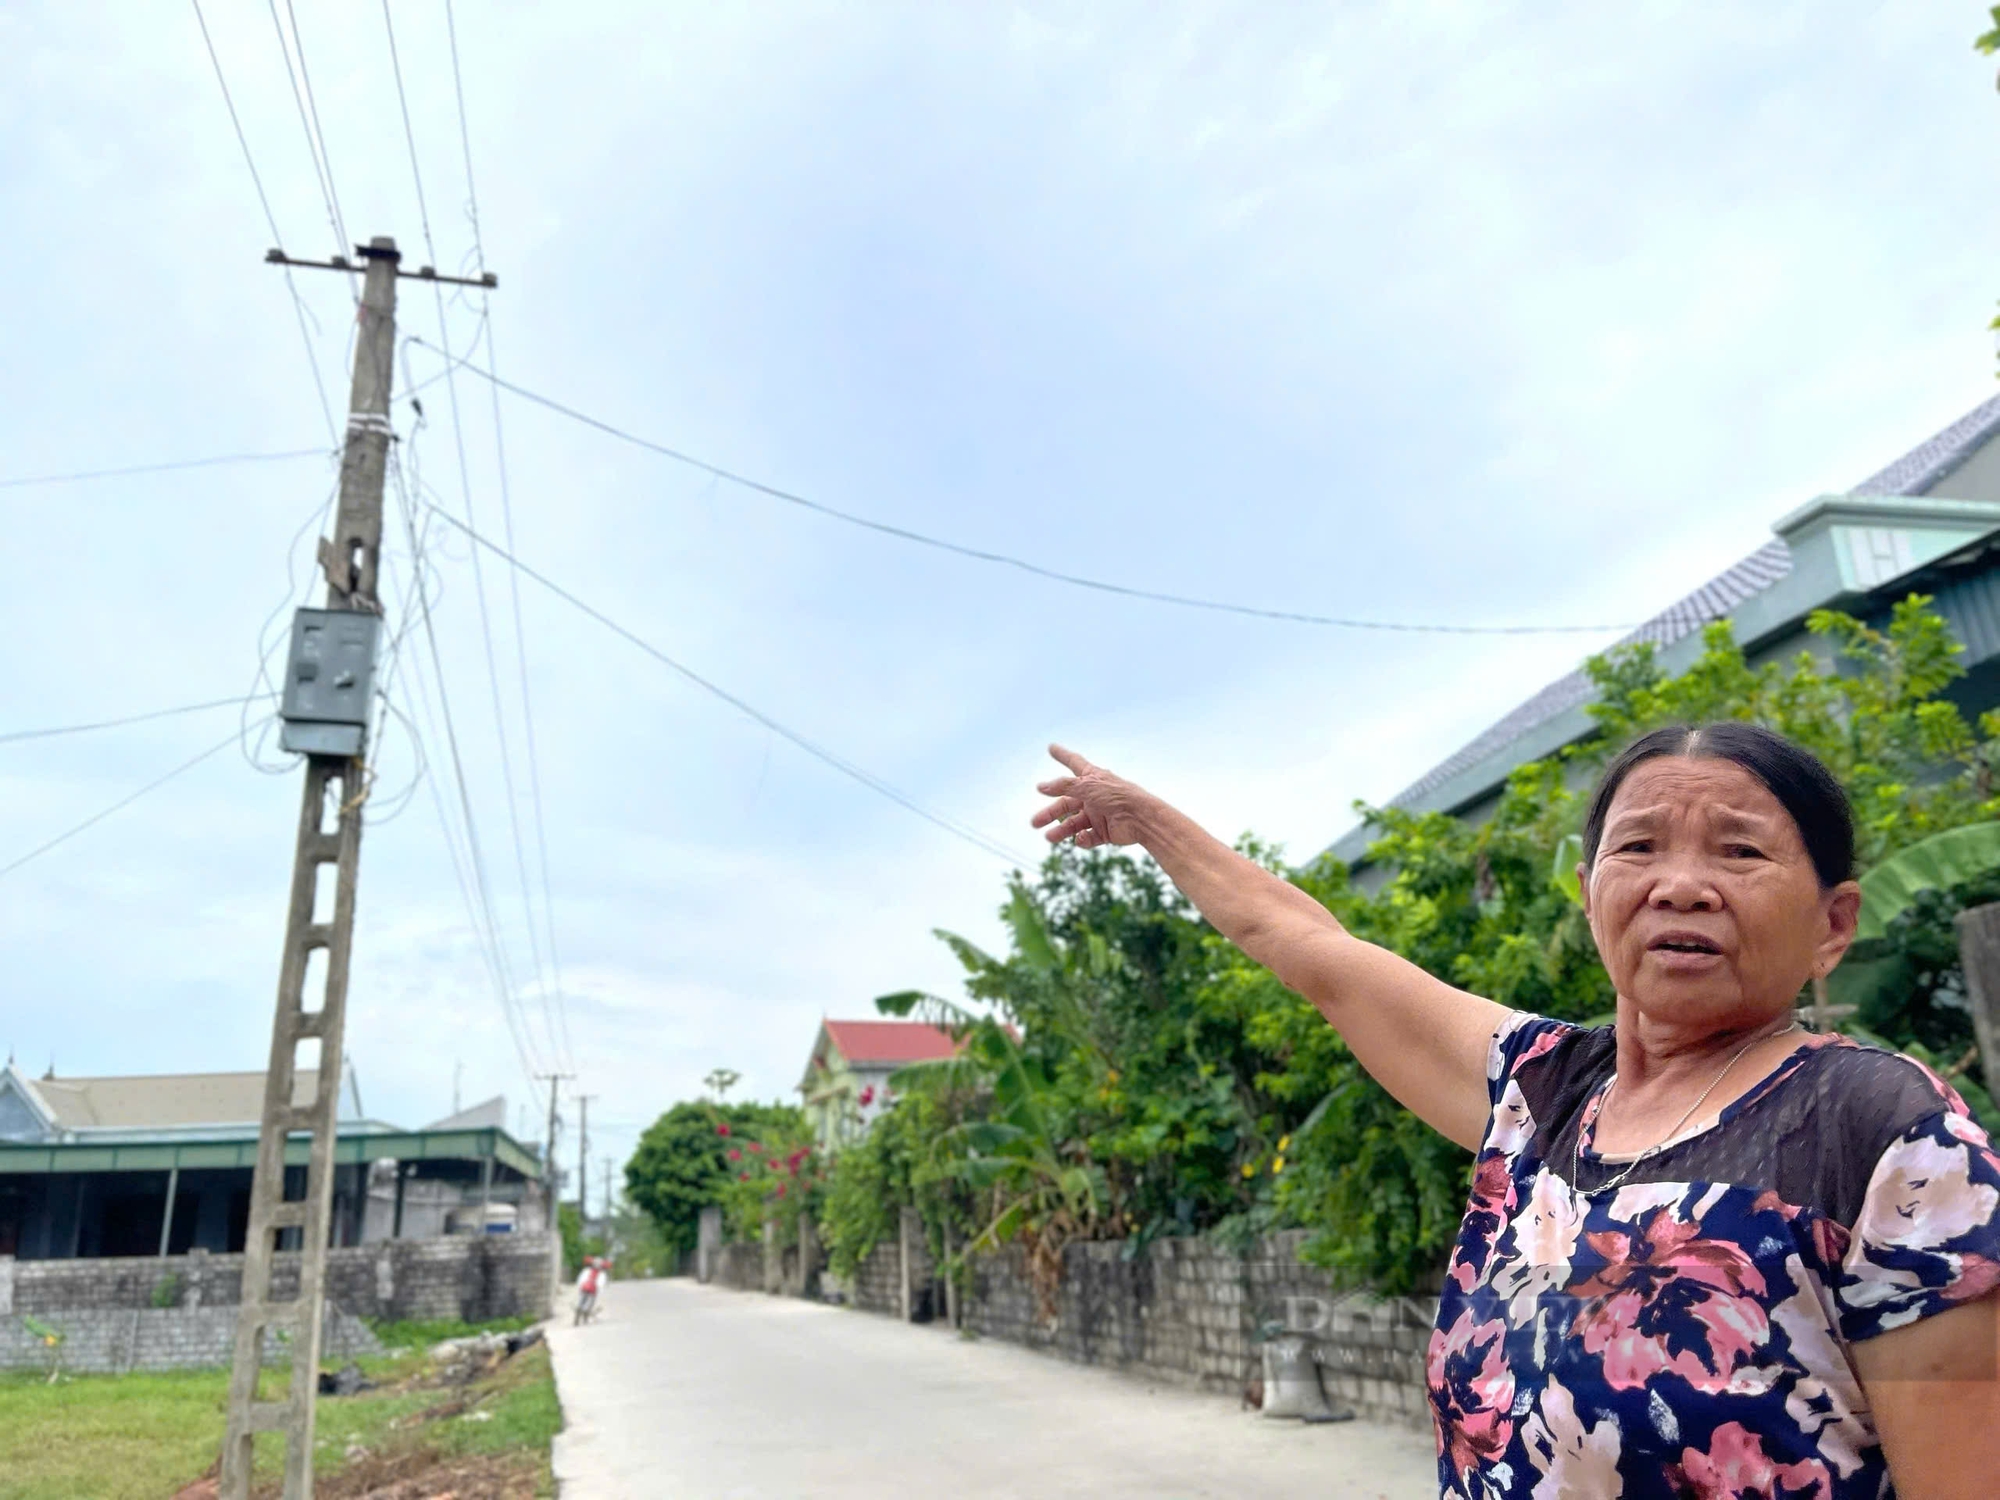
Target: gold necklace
[{"x": 1576, "y": 1150}]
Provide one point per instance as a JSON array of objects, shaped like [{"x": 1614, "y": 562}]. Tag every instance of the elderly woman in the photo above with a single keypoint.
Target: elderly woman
[{"x": 1706, "y": 1254}]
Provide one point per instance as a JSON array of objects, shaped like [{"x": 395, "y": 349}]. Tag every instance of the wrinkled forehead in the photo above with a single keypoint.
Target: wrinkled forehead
[{"x": 1712, "y": 792}]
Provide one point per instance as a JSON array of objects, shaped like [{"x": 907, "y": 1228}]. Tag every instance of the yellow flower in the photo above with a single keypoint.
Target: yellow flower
[
  {"x": 1277, "y": 1166},
  {"x": 1249, "y": 1169},
  {"x": 1284, "y": 1141}
]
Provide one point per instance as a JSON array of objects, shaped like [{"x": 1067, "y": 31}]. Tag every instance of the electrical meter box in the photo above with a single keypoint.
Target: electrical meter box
[{"x": 329, "y": 679}]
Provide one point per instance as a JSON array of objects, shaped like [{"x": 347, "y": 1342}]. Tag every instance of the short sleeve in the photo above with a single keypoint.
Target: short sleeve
[
  {"x": 1928, "y": 1235},
  {"x": 1520, "y": 1037}
]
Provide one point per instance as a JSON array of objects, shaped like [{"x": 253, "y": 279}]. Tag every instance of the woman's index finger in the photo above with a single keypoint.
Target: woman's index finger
[{"x": 1070, "y": 758}]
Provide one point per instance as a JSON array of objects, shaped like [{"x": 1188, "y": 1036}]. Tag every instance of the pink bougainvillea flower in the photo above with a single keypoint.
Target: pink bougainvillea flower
[
  {"x": 723, "y": 1128},
  {"x": 781, "y": 1190},
  {"x": 868, "y": 1096},
  {"x": 755, "y": 1148},
  {"x": 742, "y": 1176},
  {"x": 734, "y": 1154}
]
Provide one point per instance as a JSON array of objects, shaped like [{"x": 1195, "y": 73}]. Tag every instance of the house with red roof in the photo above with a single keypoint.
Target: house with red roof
[{"x": 846, "y": 1082}]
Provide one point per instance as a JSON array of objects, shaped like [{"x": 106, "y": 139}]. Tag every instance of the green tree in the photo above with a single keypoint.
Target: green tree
[
  {"x": 575, "y": 1243},
  {"x": 681, "y": 1165}
]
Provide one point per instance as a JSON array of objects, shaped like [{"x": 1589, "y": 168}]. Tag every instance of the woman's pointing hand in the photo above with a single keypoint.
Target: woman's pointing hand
[{"x": 1091, "y": 805}]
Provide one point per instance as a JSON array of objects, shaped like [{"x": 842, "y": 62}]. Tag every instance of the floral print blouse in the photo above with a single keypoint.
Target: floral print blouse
[{"x": 1684, "y": 1333}]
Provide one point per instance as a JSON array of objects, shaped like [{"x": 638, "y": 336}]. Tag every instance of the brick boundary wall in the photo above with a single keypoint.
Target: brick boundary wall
[{"x": 142, "y": 1310}]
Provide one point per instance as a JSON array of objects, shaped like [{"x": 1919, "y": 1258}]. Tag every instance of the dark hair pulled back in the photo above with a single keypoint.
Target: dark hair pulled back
[{"x": 1794, "y": 775}]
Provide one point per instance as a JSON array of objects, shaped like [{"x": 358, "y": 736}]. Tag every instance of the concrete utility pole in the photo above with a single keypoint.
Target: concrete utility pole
[
  {"x": 329, "y": 834},
  {"x": 605, "y": 1162},
  {"x": 549, "y": 1156},
  {"x": 583, "y": 1158},
  {"x": 1979, "y": 952},
  {"x": 329, "y": 685}
]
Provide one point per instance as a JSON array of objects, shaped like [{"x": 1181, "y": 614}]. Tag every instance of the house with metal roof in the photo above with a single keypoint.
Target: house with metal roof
[
  {"x": 161, "y": 1165},
  {"x": 1928, "y": 523}
]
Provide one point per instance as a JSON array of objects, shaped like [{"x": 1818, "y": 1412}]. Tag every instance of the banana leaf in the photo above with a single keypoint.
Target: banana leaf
[
  {"x": 1875, "y": 987},
  {"x": 1031, "y": 937},
  {"x": 901, "y": 1003},
  {"x": 1562, "y": 872},
  {"x": 1934, "y": 864}
]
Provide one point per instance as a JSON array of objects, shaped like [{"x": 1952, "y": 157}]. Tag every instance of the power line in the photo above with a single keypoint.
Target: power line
[
  {"x": 14, "y": 736},
  {"x": 481, "y": 910},
  {"x": 485, "y": 940},
  {"x": 270, "y": 220},
  {"x": 1003, "y": 559},
  {"x": 478, "y": 574},
  {"x": 309, "y": 123},
  {"x": 120, "y": 805},
  {"x": 507, "y": 528},
  {"x": 164, "y": 468},
  {"x": 409, "y": 135},
  {"x": 846, "y": 768},
  {"x": 385, "y": 687}
]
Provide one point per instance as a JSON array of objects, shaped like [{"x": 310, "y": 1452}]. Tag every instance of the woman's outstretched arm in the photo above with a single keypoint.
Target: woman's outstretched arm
[{"x": 1420, "y": 1038}]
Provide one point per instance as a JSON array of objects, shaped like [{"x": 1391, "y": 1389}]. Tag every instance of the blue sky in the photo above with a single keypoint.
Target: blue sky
[{"x": 1508, "y": 314}]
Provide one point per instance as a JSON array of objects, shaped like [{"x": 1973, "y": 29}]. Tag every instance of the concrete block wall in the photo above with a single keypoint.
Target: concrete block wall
[
  {"x": 114, "y": 1341},
  {"x": 877, "y": 1283},
  {"x": 1372, "y": 1357},
  {"x": 926, "y": 1291},
  {"x": 740, "y": 1267},
  {"x": 1190, "y": 1311},
  {"x": 471, "y": 1277}
]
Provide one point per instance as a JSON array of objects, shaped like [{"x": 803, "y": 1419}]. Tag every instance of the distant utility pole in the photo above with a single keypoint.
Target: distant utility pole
[
  {"x": 549, "y": 1156},
  {"x": 329, "y": 682},
  {"x": 583, "y": 1157},
  {"x": 605, "y": 1162}
]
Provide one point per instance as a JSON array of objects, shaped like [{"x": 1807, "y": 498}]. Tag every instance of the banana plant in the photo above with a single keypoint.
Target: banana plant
[
  {"x": 1562, "y": 872},
  {"x": 1012, "y": 1155},
  {"x": 1937, "y": 863},
  {"x": 50, "y": 1338}
]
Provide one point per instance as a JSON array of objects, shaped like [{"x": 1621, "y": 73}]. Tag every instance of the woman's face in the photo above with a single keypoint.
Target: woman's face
[{"x": 1703, "y": 901}]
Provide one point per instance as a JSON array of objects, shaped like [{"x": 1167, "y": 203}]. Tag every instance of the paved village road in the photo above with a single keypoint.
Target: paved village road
[{"x": 686, "y": 1392}]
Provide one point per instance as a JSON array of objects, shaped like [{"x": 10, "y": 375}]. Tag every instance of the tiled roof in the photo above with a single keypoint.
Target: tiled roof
[
  {"x": 1929, "y": 462},
  {"x": 1915, "y": 473},
  {"x": 889, "y": 1041},
  {"x": 1684, "y": 617}
]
